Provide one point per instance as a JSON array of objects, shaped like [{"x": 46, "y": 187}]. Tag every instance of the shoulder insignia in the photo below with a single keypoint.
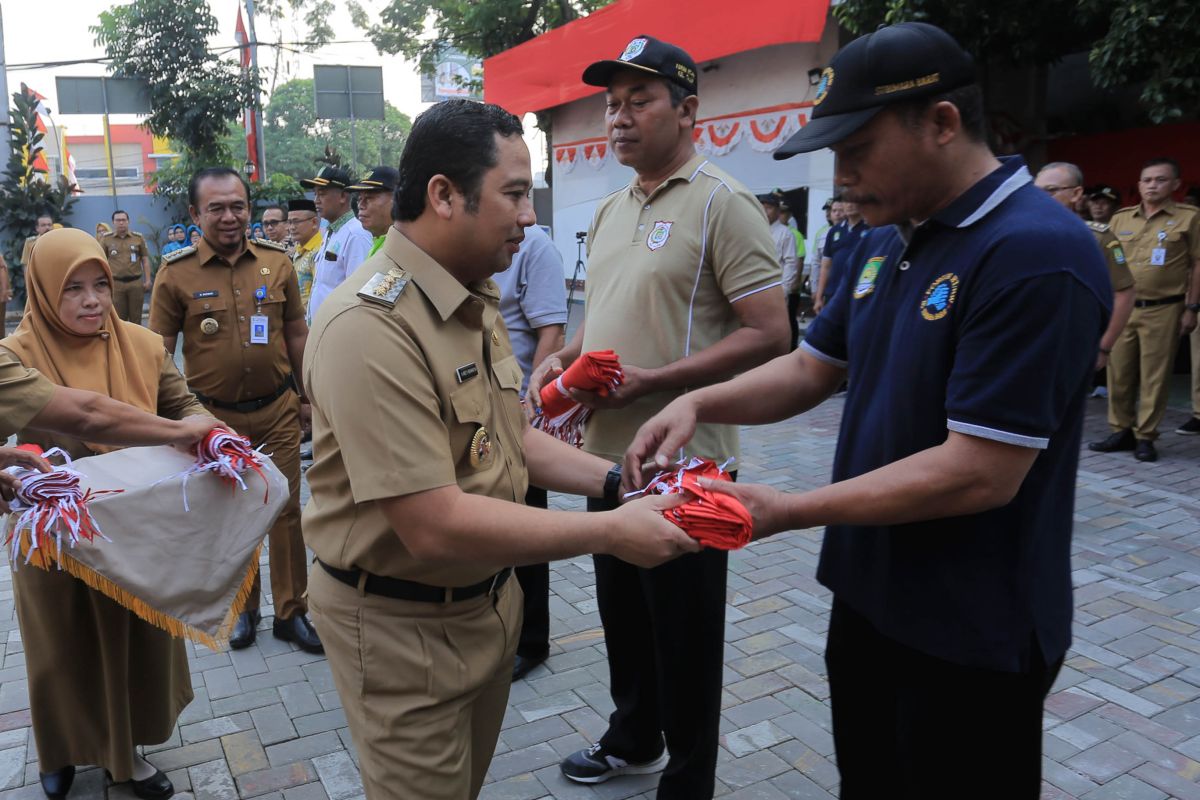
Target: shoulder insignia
[
  {"x": 31, "y": 238},
  {"x": 176, "y": 255},
  {"x": 1187, "y": 206},
  {"x": 385, "y": 288},
  {"x": 268, "y": 243},
  {"x": 138, "y": 235},
  {"x": 1098, "y": 227}
]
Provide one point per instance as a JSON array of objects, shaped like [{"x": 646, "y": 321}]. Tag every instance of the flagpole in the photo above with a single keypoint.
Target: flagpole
[
  {"x": 4, "y": 121},
  {"x": 260, "y": 150}
]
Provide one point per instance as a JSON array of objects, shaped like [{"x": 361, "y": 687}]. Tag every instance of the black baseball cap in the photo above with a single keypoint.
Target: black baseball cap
[
  {"x": 1105, "y": 191},
  {"x": 895, "y": 63},
  {"x": 301, "y": 204},
  {"x": 647, "y": 54},
  {"x": 329, "y": 175},
  {"x": 380, "y": 179},
  {"x": 770, "y": 199}
]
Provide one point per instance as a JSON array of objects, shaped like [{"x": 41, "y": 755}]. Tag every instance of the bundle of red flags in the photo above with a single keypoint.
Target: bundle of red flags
[
  {"x": 53, "y": 511},
  {"x": 563, "y": 418},
  {"x": 227, "y": 455},
  {"x": 715, "y": 520}
]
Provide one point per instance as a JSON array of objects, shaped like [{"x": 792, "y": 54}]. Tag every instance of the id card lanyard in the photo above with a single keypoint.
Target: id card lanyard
[{"x": 258, "y": 322}]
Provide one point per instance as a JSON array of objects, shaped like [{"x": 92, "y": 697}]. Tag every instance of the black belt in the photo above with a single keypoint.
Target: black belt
[
  {"x": 1166, "y": 301},
  {"x": 128, "y": 278},
  {"x": 400, "y": 589},
  {"x": 246, "y": 406}
]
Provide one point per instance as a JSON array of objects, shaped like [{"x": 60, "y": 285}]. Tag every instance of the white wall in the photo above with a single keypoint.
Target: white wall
[{"x": 763, "y": 78}]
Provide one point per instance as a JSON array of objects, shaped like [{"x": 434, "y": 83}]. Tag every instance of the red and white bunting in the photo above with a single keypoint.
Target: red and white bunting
[{"x": 763, "y": 129}]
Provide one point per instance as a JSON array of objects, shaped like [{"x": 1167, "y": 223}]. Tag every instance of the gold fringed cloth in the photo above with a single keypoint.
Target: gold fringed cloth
[{"x": 184, "y": 566}]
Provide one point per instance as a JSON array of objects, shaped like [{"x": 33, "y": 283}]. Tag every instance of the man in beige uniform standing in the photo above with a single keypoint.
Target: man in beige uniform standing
[
  {"x": 130, "y": 264},
  {"x": 1161, "y": 240},
  {"x": 421, "y": 455},
  {"x": 684, "y": 285}
]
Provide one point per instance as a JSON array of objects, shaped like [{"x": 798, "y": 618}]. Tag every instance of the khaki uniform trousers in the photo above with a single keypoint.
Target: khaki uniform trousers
[
  {"x": 1196, "y": 372},
  {"x": 128, "y": 297},
  {"x": 1139, "y": 370},
  {"x": 424, "y": 685},
  {"x": 276, "y": 430}
]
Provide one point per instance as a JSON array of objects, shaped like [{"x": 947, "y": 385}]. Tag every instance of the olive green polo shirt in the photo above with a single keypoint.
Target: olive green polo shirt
[
  {"x": 664, "y": 271},
  {"x": 407, "y": 397},
  {"x": 1176, "y": 229}
]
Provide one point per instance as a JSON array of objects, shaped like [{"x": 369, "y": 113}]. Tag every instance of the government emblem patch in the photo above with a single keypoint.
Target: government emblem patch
[
  {"x": 633, "y": 49},
  {"x": 939, "y": 297},
  {"x": 868, "y": 276},
  {"x": 659, "y": 234}
]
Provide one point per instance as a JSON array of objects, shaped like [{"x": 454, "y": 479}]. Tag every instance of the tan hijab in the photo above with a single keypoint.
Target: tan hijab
[{"x": 121, "y": 360}]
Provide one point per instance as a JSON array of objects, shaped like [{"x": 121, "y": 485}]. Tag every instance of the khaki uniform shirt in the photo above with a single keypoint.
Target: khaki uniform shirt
[
  {"x": 27, "y": 249},
  {"x": 124, "y": 253},
  {"x": 1176, "y": 229},
  {"x": 24, "y": 393},
  {"x": 663, "y": 274},
  {"x": 198, "y": 288},
  {"x": 403, "y": 396},
  {"x": 1114, "y": 255}
]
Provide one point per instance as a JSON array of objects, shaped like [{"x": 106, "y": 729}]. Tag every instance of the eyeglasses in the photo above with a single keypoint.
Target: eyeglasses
[
  {"x": 271, "y": 223},
  {"x": 1057, "y": 189}
]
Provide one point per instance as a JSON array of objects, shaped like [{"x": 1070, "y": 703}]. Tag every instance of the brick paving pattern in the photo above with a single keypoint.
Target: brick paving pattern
[{"x": 1122, "y": 722}]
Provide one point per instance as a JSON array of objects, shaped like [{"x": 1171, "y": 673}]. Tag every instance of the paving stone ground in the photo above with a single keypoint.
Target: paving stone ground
[{"x": 1123, "y": 721}]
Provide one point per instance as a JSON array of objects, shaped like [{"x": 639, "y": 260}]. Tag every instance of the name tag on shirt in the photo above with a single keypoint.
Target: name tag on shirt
[
  {"x": 1158, "y": 257},
  {"x": 133, "y": 256},
  {"x": 258, "y": 329},
  {"x": 209, "y": 293}
]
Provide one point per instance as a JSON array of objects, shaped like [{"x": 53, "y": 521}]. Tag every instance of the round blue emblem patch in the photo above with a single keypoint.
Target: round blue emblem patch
[{"x": 939, "y": 297}]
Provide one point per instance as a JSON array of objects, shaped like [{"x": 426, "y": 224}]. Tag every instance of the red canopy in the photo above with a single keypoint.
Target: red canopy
[{"x": 545, "y": 72}]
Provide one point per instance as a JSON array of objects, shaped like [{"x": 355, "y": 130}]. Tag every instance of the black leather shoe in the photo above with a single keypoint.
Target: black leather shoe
[
  {"x": 1121, "y": 440},
  {"x": 245, "y": 629},
  {"x": 56, "y": 784},
  {"x": 298, "y": 629},
  {"x": 523, "y": 665},
  {"x": 157, "y": 787},
  {"x": 1145, "y": 451}
]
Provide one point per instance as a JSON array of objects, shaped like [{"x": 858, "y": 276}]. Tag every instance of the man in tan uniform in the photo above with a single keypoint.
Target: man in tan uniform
[
  {"x": 690, "y": 242},
  {"x": 1161, "y": 239},
  {"x": 44, "y": 223},
  {"x": 1064, "y": 182},
  {"x": 238, "y": 307},
  {"x": 130, "y": 264},
  {"x": 423, "y": 456}
]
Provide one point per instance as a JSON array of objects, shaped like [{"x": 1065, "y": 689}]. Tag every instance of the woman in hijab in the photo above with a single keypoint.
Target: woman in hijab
[
  {"x": 257, "y": 231},
  {"x": 194, "y": 235},
  {"x": 175, "y": 233},
  {"x": 102, "y": 229},
  {"x": 101, "y": 680}
]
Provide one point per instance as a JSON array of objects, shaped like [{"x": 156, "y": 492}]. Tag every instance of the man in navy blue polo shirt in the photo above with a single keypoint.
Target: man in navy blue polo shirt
[
  {"x": 839, "y": 244},
  {"x": 967, "y": 327}
]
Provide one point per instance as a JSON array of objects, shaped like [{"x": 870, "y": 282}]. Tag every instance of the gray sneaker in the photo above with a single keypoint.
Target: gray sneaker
[{"x": 595, "y": 765}]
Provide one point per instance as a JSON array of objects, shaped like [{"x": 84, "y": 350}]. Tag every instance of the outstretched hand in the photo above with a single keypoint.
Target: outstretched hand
[
  {"x": 9, "y": 484},
  {"x": 767, "y": 506}
]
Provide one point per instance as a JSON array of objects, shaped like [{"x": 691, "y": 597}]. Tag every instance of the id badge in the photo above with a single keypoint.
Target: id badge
[
  {"x": 1158, "y": 256},
  {"x": 258, "y": 329},
  {"x": 132, "y": 256}
]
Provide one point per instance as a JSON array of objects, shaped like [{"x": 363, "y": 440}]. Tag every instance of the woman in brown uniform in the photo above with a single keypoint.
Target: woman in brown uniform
[{"x": 101, "y": 681}]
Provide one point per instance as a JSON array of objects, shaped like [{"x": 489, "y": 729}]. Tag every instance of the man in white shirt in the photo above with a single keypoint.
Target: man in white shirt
[
  {"x": 785, "y": 251},
  {"x": 345, "y": 244}
]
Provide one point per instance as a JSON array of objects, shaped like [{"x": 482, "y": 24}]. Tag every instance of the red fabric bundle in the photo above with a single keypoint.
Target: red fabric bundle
[
  {"x": 715, "y": 520},
  {"x": 563, "y": 418},
  {"x": 54, "y": 511},
  {"x": 228, "y": 455}
]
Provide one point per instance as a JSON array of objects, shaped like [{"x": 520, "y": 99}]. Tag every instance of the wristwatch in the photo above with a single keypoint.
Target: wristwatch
[
  {"x": 612, "y": 486},
  {"x": 1193, "y": 307}
]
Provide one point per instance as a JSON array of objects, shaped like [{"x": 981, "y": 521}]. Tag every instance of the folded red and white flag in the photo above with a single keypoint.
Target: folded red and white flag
[
  {"x": 227, "y": 455},
  {"x": 715, "y": 520},
  {"x": 50, "y": 510},
  {"x": 563, "y": 418}
]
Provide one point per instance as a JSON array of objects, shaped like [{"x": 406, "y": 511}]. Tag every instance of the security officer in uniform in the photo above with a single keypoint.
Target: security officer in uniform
[
  {"x": 344, "y": 243},
  {"x": 1161, "y": 239},
  {"x": 237, "y": 304},
  {"x": 1064, "y": 182},
  {"x": 130, "y": 264},
  {"x": 423, "y": 455},
  {"x": 1102, "y": 202},
  {"x": 375, "y": 202}
]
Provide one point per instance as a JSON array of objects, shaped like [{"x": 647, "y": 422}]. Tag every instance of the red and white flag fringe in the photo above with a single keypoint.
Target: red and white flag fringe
[
  {"x": 715, "y": 520},
  {"x": 53, "y": 511},
  {"x": 563, "y": 418},
  {"x": 228, "y": 456}
]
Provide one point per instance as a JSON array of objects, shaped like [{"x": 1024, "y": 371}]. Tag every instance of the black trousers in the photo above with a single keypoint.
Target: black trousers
[
  {"x": 665, "y": 633},
  {"x": 793, "y": 306},
  {"x": 535, "y": 583},
  {"x": 907, "y": 725}
]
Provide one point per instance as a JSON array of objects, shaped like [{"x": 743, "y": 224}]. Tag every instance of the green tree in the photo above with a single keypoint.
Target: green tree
[
  {"x": 170, "y": 185},
  {"x": 194, "y": 95},
  {"x": 24, "y": 193},
  {"x": 1128, "y": 42},
  {"x": 480, "y": 28},
  {"x": 296, "y": 140}
]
